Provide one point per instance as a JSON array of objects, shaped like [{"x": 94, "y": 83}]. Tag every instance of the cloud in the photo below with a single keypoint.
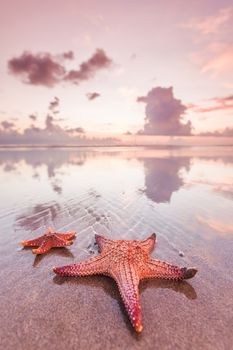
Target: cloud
[
  {"x": 210, "y": 24},
  {"x": 99, "y": 60},
  {"x": 48, "y": 70},
  {"x": 32, "y": 117},
  {"x": 216, "y": 60},
  {"x": 77, "y": 130},
  {"x": 215, "y": 51},
  {"x": 227, "y": 132},
  {"x": 164, "y": 113},
  {"x": 54, "y": 104},
  {"x": 214, "y": 104},
  {"x": 92, "y": 95},
  {"x": 69, "y": 55},
  {"x": 51, "y": 134},
  {"x": 142, "y": 99},
  {"x": 49, "y": 122},
  {"x": 7, "y": 125},
  {"x": 38, "y": 69}
]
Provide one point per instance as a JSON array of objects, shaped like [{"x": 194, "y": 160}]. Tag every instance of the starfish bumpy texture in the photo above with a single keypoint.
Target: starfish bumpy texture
[
  {"x": 127, "y": 262},
  {"x": 50, "y": 240}
]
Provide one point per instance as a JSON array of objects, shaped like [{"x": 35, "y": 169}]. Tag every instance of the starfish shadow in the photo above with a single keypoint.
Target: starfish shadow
[
  {"x": 110, "y": 288},
  {"x": 182, "y": 287},
  {"x": 64, "y": 252}
]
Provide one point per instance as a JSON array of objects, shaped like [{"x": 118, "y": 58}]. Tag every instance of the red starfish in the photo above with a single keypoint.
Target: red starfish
[
  {"x": 50, "y": 239},
  {"x": 127, "y": 262}
]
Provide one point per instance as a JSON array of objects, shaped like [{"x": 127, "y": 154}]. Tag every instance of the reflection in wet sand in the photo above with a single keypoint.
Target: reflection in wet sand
[
  {"x": 162, "y": 177},
  {"x": 217, "y": 225},
  {"x": 187, "y": 201},
  {"x": 38, "y": 216},
  {"x": 53, "y": 159}
]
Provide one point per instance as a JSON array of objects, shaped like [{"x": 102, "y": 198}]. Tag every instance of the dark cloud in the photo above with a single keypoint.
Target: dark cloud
[
  {"x": 51, "y": 134},
  {"x": 39, "y": 69},
  {"x": 54, "y": 104},
  {"x": 32, "y": 117},
  {"x": 142, "y": 99},
  {"x": 7, "y": 125},
  {"x": 225, "y": 132},
  {"x": 164, "y": 113},
  {"x": 215, "y": 104},
  {"x": 48, "y": 70},
  {"x": 49, "y": 122},
  {"x": 99, "y": 60},
  {"x": 92, "y": 95},
  {"x": 77, "y": 130},
  {"x": 69, "y": 55}
]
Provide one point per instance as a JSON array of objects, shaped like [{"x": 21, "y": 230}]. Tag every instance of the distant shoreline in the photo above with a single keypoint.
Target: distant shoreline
[{"x": 2, "y": 146}]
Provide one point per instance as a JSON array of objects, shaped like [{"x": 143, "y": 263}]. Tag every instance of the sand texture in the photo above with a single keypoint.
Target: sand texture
[{"x": 184, "y": 195}]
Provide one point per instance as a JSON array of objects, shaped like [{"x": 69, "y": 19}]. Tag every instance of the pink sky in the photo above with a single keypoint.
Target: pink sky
[{"x": 98, "y": 58}]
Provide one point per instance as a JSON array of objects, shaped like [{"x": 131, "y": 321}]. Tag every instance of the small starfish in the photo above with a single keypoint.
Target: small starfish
[
  {"x": 50, "y": 239},
  {"x": 127, "y": 262}
]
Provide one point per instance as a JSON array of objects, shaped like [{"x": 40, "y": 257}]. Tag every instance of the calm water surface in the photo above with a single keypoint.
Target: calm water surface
[{"x": 185, "y": 195}]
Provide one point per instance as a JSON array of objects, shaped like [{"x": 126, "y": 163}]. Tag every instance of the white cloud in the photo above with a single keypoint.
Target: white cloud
[{"x": 210, "y": 24}]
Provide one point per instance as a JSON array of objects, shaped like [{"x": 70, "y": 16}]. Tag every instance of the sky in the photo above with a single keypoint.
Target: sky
[{"x": 76, "y": 71}]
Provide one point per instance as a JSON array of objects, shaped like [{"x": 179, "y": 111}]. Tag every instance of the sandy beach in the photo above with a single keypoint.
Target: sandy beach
[{"x": 185, "y": 195}]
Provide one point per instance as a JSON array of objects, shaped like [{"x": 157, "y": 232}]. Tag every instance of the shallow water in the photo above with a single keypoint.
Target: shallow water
[{"x": 184, "y": 195}]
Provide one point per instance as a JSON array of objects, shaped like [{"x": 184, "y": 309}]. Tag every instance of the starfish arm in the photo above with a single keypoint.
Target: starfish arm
[
  {"x": 93, "y": 266},
  {"x": 44, "y": 247},
  {"x": 33, "y": 242},
  {"x": 149, "y": 243},
  {"x": 127, "y": 280},
  {"x": 66, "y": 236},
  {"x": 161, "y": 269},
  {"x": 58, "y": 242},
  {"x": 102, "y": 242}
]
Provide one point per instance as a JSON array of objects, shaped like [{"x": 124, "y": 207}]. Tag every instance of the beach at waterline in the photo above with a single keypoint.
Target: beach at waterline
[{"x": 184, "y": 195}]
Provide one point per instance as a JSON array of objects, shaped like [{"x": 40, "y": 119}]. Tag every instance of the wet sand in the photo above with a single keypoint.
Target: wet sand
[{"x": 44, "y": 311}]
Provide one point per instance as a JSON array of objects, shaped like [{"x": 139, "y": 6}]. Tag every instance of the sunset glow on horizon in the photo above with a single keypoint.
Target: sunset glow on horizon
[{"x": 107, "y": 72}]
